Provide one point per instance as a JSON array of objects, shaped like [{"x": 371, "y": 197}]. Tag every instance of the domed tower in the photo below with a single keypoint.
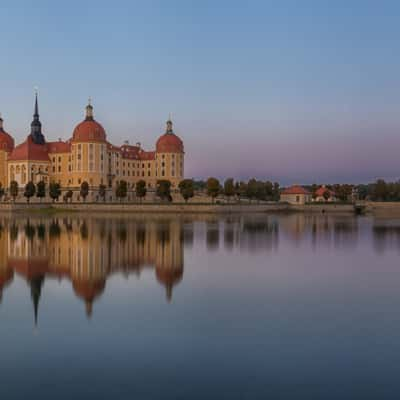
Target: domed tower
[
  {"x": 89, "y": 152},
  {"x": 6, "y": 146},
  {"x": 170, "y": 156}
]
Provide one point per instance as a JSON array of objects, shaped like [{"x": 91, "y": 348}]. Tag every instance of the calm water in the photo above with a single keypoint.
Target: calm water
[{"x": 289, "y": 306}]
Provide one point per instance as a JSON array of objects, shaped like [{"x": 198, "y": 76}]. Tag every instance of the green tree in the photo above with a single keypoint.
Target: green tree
[
  {"x": 14, "y": 190},
  {"x": 229, "y": 188},
  {"x": 68, "y": 195},
  {"x": 84, "y": 190},
  {"x": 122, "y": 190},
  {"x": 314, "y": 188},
  {"x": 276, "y": 192},
  {"x": 380, "y": 191},
  {"x": 41, "y": 190},
  {"x": 29, "y": 191},
  {"x": 326, "y": 195},
  {"x": 252, "y": 189},
  {"x": 163, "y": 189},
  {"x": 54, "y": 191},
  {"x": 186, "y": 189},
  {"x": 213, "y": 188},
  {"x": 140, "y": 189},
  {"x": 102, "y": 192},
  {"x": 2, "y": 191}
]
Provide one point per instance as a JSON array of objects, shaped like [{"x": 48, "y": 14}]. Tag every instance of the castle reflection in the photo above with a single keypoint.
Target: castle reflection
[{"x": 87, "y": 251}]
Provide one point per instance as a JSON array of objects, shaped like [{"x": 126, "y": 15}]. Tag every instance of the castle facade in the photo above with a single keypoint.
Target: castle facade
[{"x": 88, "y": 156}]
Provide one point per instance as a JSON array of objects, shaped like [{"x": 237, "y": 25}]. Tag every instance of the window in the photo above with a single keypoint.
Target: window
[
  {"x": 59, "y": 168},
  {"x": 59, "y": 159},
  {"x": 162, "y": 173},
  {"x": 148, "y": 173}
]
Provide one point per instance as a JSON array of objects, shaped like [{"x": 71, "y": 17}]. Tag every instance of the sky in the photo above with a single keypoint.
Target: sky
[{"x": 294, "y": 91}]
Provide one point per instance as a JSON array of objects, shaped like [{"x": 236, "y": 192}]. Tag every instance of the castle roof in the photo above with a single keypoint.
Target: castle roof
[{"x": 29, "y": 150}]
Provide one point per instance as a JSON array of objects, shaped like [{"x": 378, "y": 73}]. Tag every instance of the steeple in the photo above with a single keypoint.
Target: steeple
[
  {"x": 169, "y": 125},
  {"x": 36, "y": 288},
  {"x": 36, "y": 126},
  {"x": 1, "y": 124},
  {"x": 89, "y": 110}
]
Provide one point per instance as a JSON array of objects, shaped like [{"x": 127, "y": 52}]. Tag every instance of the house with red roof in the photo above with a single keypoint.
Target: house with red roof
[
  {"x": 323, "y": 195},
  {"x": 295, "y": 194}
]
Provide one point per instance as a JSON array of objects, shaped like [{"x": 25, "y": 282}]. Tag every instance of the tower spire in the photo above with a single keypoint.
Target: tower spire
[
  {"x": 36, "y": 125},
  {"x": 36, "y": 288},
  {"x": 89, "y": 110},
  {"x": 169, "y": 128},
  {"x": 36, "y": 112},
  {"x": 1, "y": 123}
]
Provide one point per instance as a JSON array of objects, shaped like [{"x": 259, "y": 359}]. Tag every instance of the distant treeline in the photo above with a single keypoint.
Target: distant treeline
[{"x": 379, "y": 191}]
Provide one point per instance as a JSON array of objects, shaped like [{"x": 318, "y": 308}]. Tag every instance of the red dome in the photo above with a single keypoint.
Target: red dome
[
  {"x": 169, "y": 143},
  {"x": 6, "y": 141},
  {"x": 89, "y": 131}
]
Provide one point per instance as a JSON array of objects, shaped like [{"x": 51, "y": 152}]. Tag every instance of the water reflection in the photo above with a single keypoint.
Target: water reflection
[{"x": 87, "y": 251}]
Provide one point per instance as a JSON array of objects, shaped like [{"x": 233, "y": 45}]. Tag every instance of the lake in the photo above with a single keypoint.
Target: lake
[{"x": 199, "y": 307}]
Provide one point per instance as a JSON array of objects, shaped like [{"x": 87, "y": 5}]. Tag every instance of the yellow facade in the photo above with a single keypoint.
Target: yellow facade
[{"x": 89, "y": 157}]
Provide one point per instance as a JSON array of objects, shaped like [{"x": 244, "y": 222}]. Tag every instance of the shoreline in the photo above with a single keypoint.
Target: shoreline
[{"x": 389, "y": 209}]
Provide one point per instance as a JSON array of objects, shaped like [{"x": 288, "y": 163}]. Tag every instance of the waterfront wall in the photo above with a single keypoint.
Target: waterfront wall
[{"x": 382, "y": 209}]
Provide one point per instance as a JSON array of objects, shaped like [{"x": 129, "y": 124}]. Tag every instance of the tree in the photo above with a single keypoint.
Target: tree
[
  {"x": 121, "y": 190},
  {"x": 54, "y": 191},
  {"x": 41, "y": 190},
  {"x": 252, "y": 188},
  {"x": 68, "y": 195},
  {"x": 276, "y": 193},
  {"x": 186, "y": 189},
  {"x": 229, "y": 188},
  {"x": 343, "y": 192},
  {"x": 102, "y": 192},
  {"x": 314, "y": 188},
  {"x": 163, "y": 190},
  {"x": 263, "y": 189},
  {"x": 2, "y": 191},
  {"x": 30, "y": 190},
  {"x": 140, "y": 190},
  {"x": 14, "y": 190},
  {"x": 84, "y": 190},
  {"x": 213, "y": 188},
  {"x": 326, "y": 195},
  {"x": 380, "y": 190}
]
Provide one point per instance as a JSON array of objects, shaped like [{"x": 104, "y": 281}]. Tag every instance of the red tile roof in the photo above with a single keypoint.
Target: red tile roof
[
  {"x": 296, "y": 189},
  {"x": 320, "y": 191},
  {"x": 59, "y": 147},
  {"x": 147, "y": 155},
  {"x": 29, "y": 150},
  {"x": 169, "y": 143},
  {"x": 89, "y": 130},
  {"x": 6, "y": 141}
]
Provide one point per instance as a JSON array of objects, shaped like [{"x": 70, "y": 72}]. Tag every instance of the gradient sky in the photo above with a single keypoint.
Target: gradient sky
[{"x": 286, "y": 90}]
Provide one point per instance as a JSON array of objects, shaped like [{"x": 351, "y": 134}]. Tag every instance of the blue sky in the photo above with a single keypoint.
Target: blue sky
[{"x": 286, "y": 90}]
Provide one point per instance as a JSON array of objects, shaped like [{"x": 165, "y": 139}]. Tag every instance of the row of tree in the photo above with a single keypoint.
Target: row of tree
[
  {"x": 380, "y": 191},
  {"x": 253, "y": 189}
]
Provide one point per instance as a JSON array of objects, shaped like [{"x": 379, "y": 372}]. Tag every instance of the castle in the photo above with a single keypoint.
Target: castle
[{"x": 88, "y": 156}]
